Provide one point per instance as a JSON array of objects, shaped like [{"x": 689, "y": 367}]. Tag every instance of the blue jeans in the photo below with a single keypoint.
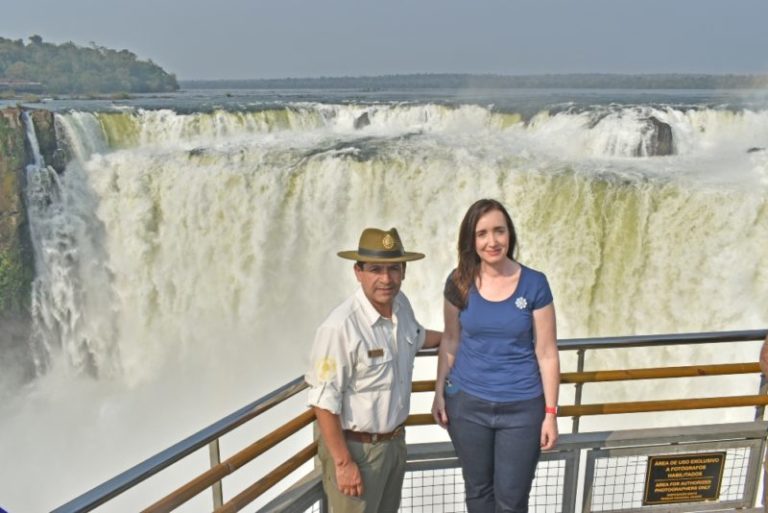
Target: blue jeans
[{"x": 498, "y": 445}]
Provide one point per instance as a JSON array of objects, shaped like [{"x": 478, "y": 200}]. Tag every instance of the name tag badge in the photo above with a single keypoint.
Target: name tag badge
[{"x": 375, "y": 353}]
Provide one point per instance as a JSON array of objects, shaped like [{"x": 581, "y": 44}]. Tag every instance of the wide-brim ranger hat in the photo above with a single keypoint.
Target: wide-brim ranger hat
[{"x": 380, "y": 246}]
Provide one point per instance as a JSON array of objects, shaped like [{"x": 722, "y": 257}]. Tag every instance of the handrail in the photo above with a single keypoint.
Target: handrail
[
  {"x": 254, "y": 491},
  {"x": 664, "y": 405},
  {"x": 206, "y": 479},
  {"x": 661, "y": 340},
  {"x": 702, "y": 403},
  {"x": 688, "y": 371},
  {"x": 226, "y": 467},
  {"x": 151, "y": 466},
  {"x": 135, "y": 475}
]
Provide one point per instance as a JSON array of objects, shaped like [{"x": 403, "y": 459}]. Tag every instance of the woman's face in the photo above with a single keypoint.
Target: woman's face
[{"x": 492, "y": 237}]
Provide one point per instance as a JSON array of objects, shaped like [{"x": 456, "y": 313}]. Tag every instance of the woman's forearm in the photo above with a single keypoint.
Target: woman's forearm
[
  {"x": 445, "y": 359},
  {"x": 550, "y": 378}
]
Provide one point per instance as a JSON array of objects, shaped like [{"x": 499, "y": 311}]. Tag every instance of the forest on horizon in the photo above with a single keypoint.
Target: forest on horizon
[
  {"x": 490, "y": 81},
  {"x": 42, "y": 67}
]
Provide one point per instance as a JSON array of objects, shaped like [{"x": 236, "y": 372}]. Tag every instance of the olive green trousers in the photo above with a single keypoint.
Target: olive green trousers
[{"x": 382, "y": 467}]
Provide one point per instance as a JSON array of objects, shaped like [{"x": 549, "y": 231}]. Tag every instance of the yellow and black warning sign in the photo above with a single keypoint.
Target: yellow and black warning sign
[{"x": 683, "y": 478}]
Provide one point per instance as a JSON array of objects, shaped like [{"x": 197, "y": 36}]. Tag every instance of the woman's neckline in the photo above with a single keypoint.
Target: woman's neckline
[{"x": 508, "y": 297}]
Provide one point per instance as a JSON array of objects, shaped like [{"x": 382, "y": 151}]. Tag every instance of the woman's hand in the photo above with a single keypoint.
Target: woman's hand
[
  {"x": 549, "y": 432},
  {"x": 438, "y": 410}
]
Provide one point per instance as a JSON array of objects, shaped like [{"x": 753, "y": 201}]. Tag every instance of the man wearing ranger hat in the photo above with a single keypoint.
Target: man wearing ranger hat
[{"x": 360, "y": 379}]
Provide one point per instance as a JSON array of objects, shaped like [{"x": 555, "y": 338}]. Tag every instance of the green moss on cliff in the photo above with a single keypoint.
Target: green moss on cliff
[
  {"x": 15, "y": 280},
  {"x": 16, "y": 264},
  {"x": 11, "y": 143}
]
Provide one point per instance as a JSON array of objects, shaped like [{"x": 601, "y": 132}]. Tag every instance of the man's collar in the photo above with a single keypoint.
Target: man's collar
[{"x": 370, "y": 312}]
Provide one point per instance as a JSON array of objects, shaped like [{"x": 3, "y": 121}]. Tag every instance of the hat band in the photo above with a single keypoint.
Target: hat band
[{"x": 380, "y": 254}]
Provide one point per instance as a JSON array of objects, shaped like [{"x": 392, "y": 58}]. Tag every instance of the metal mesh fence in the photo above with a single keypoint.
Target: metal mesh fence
[
  {"x": 548, "y": 487},
  {"x": 442, "y": 490},
  {"x": 619, "y": 481},
  {"x": 734, "y": 474},
  {"x": 433, "y": 491}
]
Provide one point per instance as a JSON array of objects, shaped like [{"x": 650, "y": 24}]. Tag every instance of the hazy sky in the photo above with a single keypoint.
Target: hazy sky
[{"x": 303, "y": 38}]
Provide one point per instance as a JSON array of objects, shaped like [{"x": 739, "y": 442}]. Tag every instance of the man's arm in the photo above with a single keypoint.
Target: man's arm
[
  {"x": 348, "y": 477},
  {"x": 433, "y": 338},
  {"x": 764, "y": 358},
  {"x": 328, "y": 378}
]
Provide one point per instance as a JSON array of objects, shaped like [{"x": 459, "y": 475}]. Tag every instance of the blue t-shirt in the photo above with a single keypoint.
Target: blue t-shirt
[{"x": 496, "y": 359}]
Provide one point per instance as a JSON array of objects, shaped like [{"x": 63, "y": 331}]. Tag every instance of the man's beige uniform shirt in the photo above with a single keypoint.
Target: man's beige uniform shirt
[{"x": 362, "y": 364}]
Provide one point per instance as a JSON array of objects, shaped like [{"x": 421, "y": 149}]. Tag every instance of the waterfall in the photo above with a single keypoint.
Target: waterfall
[
  {"x": 204, "y": 233},
  {"x": 70, "y": 294}
]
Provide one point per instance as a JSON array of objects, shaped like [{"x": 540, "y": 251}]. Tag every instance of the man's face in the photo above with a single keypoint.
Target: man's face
[{"x": 381, "y": 283}]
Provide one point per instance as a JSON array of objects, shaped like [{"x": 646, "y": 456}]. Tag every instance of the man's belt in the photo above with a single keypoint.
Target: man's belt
[{"x": 372, "y": 438}]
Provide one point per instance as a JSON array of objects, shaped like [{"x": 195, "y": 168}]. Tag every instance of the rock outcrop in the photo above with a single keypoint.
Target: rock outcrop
[
  {"x": 54, "y": 155},
  {"x": 659, "y": 141},
  {"x": 362, "y": 121}
]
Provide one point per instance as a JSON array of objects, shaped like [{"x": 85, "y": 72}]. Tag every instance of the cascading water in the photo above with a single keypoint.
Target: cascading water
[
  {"x": 221, "y": 222},
  {"x": 185, "y": 259},
  {"x": 71, "y": 292}
]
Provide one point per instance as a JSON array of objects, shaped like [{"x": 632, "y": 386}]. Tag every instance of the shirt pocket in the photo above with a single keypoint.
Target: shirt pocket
[{"x": 374, "y": 369}]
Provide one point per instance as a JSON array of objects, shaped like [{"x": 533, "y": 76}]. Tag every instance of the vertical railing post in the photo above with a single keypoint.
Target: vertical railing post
[
  {"x": 316, "y": 436},
  {"x": 571, "y": 480},
  {"x": 577, "y": 399},
  {"x": 759, "y": 413},
  {"x": 215, "y": 457},
  {"x": 760, "y": 409},
  {"x": 318, "y": 465}
]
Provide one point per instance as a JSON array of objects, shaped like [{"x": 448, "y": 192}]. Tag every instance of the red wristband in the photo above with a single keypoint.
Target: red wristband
[{"x": 550, "y": 409}]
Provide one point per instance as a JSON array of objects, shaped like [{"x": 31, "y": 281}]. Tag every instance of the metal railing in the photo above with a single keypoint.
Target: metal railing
[
  {"x": 151, "y": 466},
  {"x": 219, "y": 469},
  {"x": 614, "y": 474}
]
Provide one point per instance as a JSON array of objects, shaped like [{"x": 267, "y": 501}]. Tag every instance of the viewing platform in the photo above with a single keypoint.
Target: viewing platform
[{"x": 701, "y": 467}]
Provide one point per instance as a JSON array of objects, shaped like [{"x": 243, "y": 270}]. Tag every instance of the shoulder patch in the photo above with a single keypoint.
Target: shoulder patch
[{"x": 325, "y": 370}]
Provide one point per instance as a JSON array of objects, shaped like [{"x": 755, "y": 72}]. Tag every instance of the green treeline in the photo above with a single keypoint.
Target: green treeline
[
  {"x": 72, "y": 69},
  {"x": 466, "y": 81}
]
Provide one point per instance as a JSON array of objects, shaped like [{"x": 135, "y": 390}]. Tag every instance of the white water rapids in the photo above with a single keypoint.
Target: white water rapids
[{"x": 184, "y": 260}]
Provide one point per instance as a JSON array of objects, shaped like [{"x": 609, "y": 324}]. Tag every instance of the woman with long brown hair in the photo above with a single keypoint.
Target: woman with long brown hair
[{"x": 498, "y": 366}]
